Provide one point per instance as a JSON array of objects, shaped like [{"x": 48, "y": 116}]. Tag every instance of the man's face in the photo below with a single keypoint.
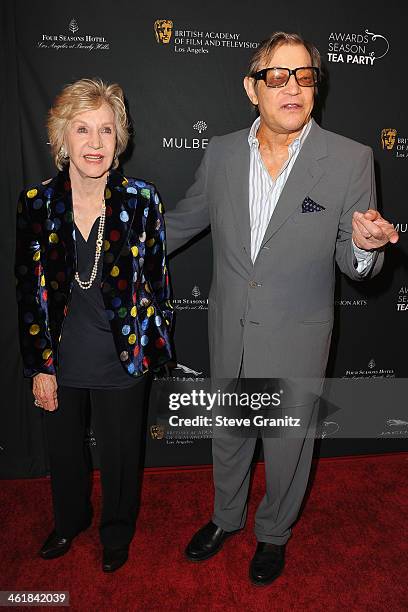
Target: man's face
[
  {"x": 287, "y": 109},
  {"x": 164, "y": 31},
  {"x": 388, "y": 137}
]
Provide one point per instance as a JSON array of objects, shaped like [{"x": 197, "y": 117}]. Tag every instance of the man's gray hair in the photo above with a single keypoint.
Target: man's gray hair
[{"x": 277, "y": 39}]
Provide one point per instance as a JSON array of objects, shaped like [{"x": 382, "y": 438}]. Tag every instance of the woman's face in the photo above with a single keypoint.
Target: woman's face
[{"x": 90, "y": 140}]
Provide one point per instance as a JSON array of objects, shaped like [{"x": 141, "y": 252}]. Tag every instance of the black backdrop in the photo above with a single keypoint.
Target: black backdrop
[{"x": 180, "y": 94}]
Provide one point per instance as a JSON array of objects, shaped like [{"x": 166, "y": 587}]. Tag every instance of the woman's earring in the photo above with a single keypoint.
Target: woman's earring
[{"x": 64, "y": 153}]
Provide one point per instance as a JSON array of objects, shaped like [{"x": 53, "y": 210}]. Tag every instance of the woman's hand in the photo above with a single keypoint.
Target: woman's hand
[{"x": 45, "y": 391}]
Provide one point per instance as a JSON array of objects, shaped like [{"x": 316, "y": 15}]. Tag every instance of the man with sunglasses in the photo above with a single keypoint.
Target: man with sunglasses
[{"x": 286, "y": 201}]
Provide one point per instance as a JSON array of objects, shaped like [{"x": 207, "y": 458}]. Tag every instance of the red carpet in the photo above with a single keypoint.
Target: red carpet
[{"x": 349, "y": 551}]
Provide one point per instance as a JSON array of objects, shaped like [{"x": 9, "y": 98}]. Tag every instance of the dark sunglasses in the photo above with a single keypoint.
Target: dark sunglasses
[{"x": 306, "y": 76}]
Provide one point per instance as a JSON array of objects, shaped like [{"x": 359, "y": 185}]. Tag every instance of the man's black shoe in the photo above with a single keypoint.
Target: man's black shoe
[
  {"x": 267, "y": 563},
  {"x": 207, "y": 542},
  {"x": 114, "y": 558}
]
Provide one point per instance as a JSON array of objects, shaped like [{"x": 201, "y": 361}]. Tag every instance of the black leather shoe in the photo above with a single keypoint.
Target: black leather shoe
[
  {"x": 113, "y": 559},
  {"x": 55, "y": 546},
  {"x": 207, "y": 542},
  {"x": 267, "y": 563}
]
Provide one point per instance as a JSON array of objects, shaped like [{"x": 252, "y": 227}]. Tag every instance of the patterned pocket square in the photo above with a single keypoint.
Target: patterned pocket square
[{"x": 309, "y": 206}]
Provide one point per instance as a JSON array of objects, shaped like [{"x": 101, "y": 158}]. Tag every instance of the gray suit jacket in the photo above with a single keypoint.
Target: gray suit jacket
[{"x": 279, "y": 310}]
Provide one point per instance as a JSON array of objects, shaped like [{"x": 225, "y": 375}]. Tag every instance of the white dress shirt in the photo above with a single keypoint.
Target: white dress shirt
[{"x": 264, "y": 192}]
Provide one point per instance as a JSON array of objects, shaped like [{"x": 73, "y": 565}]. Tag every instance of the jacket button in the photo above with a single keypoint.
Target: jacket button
[
  {"x": 242, "y": 322},
  {"x": 253, "y": 283}
]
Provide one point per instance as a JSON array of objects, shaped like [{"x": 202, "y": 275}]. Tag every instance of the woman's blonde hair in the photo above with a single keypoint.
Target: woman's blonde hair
[{"x": 81, "y": 96}]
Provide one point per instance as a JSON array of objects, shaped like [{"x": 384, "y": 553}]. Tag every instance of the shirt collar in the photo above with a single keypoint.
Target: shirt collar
[{"x": 296, "y": 144}]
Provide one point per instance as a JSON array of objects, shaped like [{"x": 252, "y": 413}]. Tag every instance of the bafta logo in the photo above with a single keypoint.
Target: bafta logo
[
  {"x": 388, "y": 136},
  {"x": 157, "y": 432},
  {"x": 163, "y": 29}
]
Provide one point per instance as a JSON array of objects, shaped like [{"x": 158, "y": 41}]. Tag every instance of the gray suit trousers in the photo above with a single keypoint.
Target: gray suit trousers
[{"x": 288, "y": 457}]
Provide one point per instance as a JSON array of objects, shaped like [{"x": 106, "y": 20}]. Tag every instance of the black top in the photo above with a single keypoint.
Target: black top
[{"x": 87, "y": 353}]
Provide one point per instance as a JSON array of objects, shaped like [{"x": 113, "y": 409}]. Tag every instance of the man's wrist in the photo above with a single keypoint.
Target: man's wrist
[{"x": 359, "y": 250}]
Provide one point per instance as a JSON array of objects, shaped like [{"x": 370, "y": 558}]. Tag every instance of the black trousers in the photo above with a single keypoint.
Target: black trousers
[{"x": 117, "y": 419}]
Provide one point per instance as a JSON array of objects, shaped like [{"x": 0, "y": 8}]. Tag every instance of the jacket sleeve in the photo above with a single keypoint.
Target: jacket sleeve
[
  {"x": 191, "y": 215},
  {"x": 361, "y": 196},
  {"x": 155, "y": 264},
  {"x": 35, "y": 340}
]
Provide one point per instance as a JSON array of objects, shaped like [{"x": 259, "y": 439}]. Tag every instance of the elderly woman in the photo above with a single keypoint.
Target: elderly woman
[{"x": 94, "y": 312}]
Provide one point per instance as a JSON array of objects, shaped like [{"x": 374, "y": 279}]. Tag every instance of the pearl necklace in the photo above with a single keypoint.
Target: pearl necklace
[{"x": 98, "y": 249}]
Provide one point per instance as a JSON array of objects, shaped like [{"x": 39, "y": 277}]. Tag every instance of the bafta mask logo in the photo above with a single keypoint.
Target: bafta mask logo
[
  {"x": 157, "y": 432},
  {"x": 163, "y": 29},
  {"x": 388, "y": 136}
]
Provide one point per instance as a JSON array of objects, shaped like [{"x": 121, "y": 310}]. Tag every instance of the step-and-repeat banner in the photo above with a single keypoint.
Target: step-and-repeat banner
[{"x": 181, "y": 65}]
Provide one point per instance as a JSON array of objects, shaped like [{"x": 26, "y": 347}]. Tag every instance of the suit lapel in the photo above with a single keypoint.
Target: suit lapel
[
  {"x": 61, "y": 214},
  {"x": 306, "y": 172},
  {"x": 120, "y": 202},
  {"x": 238, "y": 187}
]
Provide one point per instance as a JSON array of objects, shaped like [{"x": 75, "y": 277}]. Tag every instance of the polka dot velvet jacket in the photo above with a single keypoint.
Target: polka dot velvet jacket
[{"x": 135, "y": 283}]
